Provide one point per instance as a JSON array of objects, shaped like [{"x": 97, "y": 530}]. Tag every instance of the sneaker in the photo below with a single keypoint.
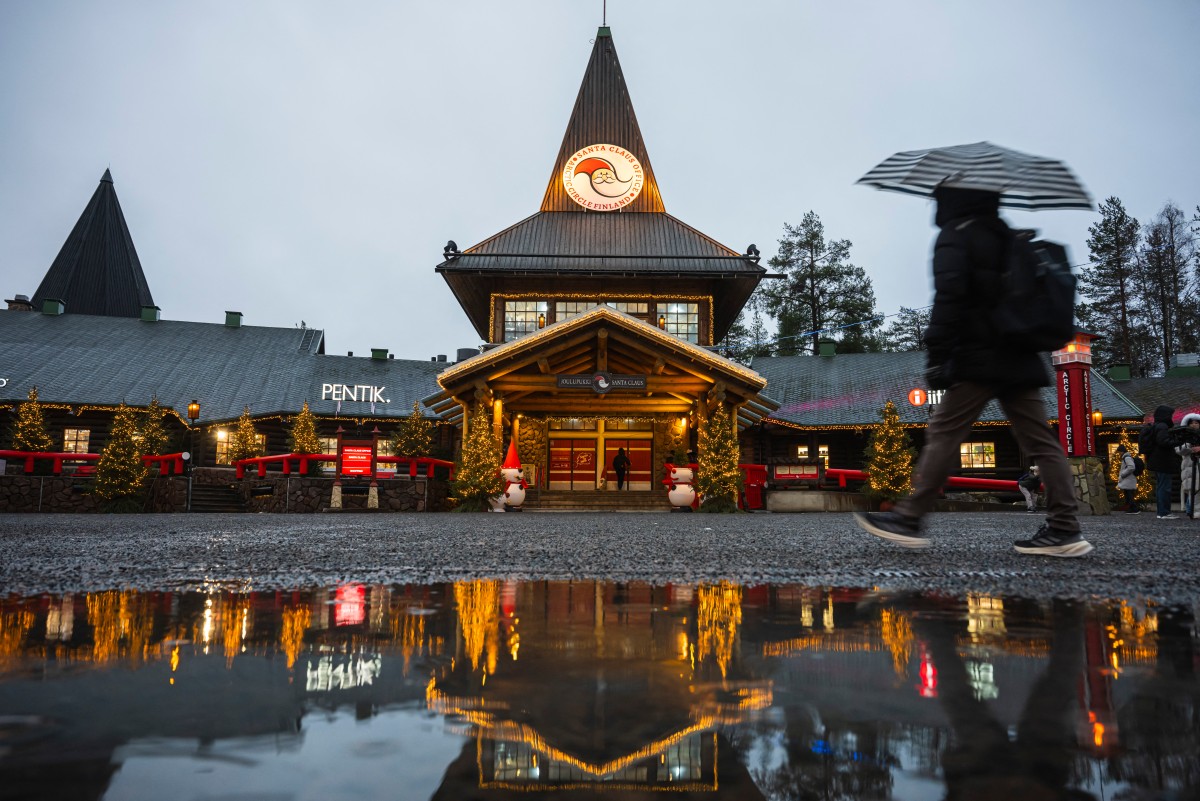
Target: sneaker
[
  {"x": 1133, "y": 512},
  {"x": 1053, "y": 542},
  {"x": 1168, "y": 517},
  {"x": 890, "y": 526}
]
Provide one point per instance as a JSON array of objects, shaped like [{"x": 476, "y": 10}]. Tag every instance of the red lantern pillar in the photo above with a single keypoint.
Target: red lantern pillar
[{"x": 1073, "y": 379}]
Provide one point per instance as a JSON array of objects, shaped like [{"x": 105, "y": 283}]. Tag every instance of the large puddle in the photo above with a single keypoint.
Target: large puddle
[{"x": 493, "y": 689}]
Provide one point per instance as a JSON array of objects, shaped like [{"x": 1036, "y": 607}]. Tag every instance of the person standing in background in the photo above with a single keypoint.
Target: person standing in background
[
  {"x": 1127, "y": 480},
  {"x": 1155, "y": 443},
  {"x": 1187, "y": 468},
  {"x": 620, "y": 464}
]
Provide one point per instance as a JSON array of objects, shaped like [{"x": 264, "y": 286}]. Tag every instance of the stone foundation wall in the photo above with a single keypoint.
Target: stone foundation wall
[
  {"x": 1091, "y": 487},
  {"x": 67, "y": 494},
  {"x": 303, "y": 494}
]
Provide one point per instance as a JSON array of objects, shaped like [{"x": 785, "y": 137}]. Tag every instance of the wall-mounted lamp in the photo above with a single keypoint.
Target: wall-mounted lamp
[
  {"x": 541, "y": 320},
  {"x": 662, "y": 321},
  {"x": 194, "y": 411},
  {"x": 1097, "y": 417}
]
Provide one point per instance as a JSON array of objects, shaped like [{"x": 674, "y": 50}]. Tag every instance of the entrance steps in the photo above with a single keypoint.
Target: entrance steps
[
  {"x": 216, "y": 498},
  {"x": 596, "y": 501}
]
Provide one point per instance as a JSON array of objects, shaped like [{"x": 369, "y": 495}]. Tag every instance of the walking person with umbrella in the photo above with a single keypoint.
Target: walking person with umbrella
[
  {"x": 966, "y": 355},
  {"x": 1187, "y": 469}
]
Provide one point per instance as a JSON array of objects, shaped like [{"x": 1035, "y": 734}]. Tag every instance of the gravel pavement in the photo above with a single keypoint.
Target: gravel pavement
[{"x": 1136, "y": 557}]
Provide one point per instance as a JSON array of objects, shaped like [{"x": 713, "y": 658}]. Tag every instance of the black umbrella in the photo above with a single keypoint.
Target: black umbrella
[{"x": 1023, "y": 181}]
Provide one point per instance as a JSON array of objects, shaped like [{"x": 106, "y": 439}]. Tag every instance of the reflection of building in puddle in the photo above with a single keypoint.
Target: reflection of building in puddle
[
  {"x": 985, "y": 617},
  {"x": 342, "y": 672},
  {"x": 605, "y": 694}
]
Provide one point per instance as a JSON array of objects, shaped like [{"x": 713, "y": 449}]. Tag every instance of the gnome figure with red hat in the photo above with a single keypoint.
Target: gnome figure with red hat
[{"x": 514, "y": 489}]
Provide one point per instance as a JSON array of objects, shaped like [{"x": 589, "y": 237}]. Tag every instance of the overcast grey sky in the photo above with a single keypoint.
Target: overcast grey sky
[{"x": 308, "y": 160}]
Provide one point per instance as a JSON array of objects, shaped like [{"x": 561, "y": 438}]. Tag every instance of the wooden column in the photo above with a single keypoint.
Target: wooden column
[{"x": 498, "y": 418}]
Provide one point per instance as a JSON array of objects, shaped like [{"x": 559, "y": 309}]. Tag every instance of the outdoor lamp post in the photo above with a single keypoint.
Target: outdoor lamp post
[{"x": 193, "y": 413}]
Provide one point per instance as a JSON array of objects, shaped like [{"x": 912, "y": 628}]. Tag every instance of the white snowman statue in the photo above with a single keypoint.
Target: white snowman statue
[{"x": 514, "y": 482}]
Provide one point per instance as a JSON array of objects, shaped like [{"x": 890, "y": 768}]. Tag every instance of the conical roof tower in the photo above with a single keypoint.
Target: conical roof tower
[
  {"x": 602, "y": 228},
  {"x": 97, "y": 270},
  {"x": 603, "y": 115}
]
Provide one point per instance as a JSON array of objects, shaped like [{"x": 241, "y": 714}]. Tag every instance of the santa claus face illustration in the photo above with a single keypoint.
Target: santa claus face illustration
[{"x": 602, "y": 177}]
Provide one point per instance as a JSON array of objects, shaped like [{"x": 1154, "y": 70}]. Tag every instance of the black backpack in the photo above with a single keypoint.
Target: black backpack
[
  {"x": 1146, "y": 441},
  {"x": 1036, "y": 309},
  {"x": 1139, "y": 466}
]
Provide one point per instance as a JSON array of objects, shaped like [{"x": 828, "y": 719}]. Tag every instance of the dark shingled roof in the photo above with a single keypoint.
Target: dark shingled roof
[
  {"x": 86, "y": 359},
  {"x": 851, "y": 388},
  {"x": 1181, "y": 393},
  {"x": 97, "y": 271},
  {"x": 595, "y": 242}
]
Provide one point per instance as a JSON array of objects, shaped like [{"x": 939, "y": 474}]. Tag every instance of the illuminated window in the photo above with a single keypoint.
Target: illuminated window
[
  {"x": 641, "y": 310},
  {"x": 1112, "y": 452},
  {"x": 628, "y": 425},
  {"x": 75, "y": 440},
  {"x": 328, "y": 447},
  {"x": 574, "y": 424},
  {"x": 521, "y": 317},
  {"x": 682, "y": 320},
  {"x": 566, "y": 309},
  {"x": 384, "y": 447},
  {"x": 822, "y": 453},
  {"x": 223, "y": 439},
  {"x": 977, "y": 454}
]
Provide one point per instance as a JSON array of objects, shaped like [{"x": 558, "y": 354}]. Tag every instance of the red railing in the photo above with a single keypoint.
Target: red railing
[
  {"x": 302, "y": 460},
  {"x": 165, "y": 462},
  {"x": 960, "y": 482}
]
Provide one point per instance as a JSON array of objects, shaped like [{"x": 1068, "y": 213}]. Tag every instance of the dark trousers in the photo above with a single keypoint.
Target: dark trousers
[
  {"x": 949, "y": 426},
  {"x": 620, "y": 479},
  {"x": 1130, "y": 503},
  {"x": 1163, "y": 484}
]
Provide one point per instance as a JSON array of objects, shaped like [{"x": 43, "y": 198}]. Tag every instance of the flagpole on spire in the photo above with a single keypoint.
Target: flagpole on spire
[{"x": 604, "y": 14}]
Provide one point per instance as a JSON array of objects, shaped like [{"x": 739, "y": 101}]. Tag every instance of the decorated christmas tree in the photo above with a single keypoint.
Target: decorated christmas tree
[
  {"x": 477, "y": 475},
  {"x": 120, "y": 470},
  {"x": 1145, "y": 486},
  {"x": 302, "y": 437},
  {"x": 154, "y": 435},
  {"x": 244, "y": 442},
  {"x": 717, "y": 477},
  {"x": 414, "y": 435},
  {"x": 890, "y": 457},
  {"x": 29, "y": 431}
]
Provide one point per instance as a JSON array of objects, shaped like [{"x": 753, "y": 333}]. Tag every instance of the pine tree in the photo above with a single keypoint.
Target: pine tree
[
  {"x": 1165, "y": 277},
  {"x": 906, "y": 332},
  {"x": 302, "y": 437},
  {"x": 153, "y": 435},
  {"x": 244, "y": 442},
  {"x": 1108, "y": 285},
  {"x": 414, "y": 434},
  {"x": 29, "y": 433},
  {"x": 477, "y": 475},
  {"x": 890, "y": 457},
  {"x": 120, "y": 470},
  {"x": 823, "y": 290},
  {"x": 718, "y": 479}
]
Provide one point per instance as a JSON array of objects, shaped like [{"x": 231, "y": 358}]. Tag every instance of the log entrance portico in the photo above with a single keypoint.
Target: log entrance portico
[{"x": 575, "y": 391}]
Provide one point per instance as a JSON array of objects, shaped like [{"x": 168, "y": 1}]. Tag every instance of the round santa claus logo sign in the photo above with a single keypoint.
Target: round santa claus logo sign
[{"x": 602, "y": 177}]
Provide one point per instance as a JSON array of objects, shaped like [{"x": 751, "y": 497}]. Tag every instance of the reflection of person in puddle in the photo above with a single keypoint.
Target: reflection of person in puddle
[{"x": 984, "y": 763}]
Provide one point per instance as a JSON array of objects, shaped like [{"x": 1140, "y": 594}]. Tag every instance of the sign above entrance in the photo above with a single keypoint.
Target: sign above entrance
[
  {"x": 600, "y": 382},
  {"x": 603, "y": 177}
]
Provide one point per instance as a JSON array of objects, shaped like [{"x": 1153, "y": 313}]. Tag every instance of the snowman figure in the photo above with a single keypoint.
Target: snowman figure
[{"x": 514, "y": 482}]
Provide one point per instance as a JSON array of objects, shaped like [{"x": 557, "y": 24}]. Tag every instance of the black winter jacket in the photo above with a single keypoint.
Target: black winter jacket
[
  {"x": 1163, "y": 458},
  {"x": 968, "y": 258}
]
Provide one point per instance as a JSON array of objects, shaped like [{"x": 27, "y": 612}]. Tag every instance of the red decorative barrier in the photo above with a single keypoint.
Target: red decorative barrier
[
  {"x": 302, "y": 460},
  {"x": 960, "y": 482},
  {"x": 167, "y": 463},
  {"x": 56, "y": 459}
]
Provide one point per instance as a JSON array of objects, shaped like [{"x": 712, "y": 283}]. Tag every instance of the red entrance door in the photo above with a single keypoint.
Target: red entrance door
[
  {"x": 638, "y": 451},
  {"x": 572, "y": 464}
]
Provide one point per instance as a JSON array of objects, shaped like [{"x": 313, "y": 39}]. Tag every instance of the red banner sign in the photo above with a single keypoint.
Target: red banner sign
[{"x": 358, "y": 459}]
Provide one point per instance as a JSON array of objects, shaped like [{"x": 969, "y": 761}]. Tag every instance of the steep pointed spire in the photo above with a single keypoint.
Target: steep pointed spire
[
  {"x": 97, "y": 271},
  {"x": 603, "y": 115}
]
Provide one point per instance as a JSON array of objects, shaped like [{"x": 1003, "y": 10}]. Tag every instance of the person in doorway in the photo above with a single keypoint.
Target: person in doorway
[
  {"x": 1161, "y": 459},
  {"x": 1187, "y": 469},
  {"x": 620, "y": 464},
  {"x": 1030, "y": 484},
  {"x": 1127, "y": 480},
  {"x": 973, "y": 365}
]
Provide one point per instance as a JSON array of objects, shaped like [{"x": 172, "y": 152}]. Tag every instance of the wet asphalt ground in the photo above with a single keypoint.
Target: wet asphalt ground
[{"x": 1136, "y": 557}]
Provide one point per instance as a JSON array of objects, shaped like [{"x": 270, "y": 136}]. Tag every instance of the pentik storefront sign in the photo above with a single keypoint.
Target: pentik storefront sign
[{"x": 353, "y": 392}]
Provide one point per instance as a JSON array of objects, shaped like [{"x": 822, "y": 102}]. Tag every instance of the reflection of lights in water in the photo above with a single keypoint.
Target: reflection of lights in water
[
  {"x": 928, "y": 676},
  {"x": 985, "y": 616},
  {"x": 478, "y": 604},
  {"x": 718, "y": 615},
  {"x": 806, "y": 615},
  {"x": 350, "y": 608},
  {"x": 897, "y": 635},
  {"x": 295, "y": 623},
  {"x": 827, "y": 617},
  {"x": 356, "y": 671},
  {"x": 981, "y": 675}
]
